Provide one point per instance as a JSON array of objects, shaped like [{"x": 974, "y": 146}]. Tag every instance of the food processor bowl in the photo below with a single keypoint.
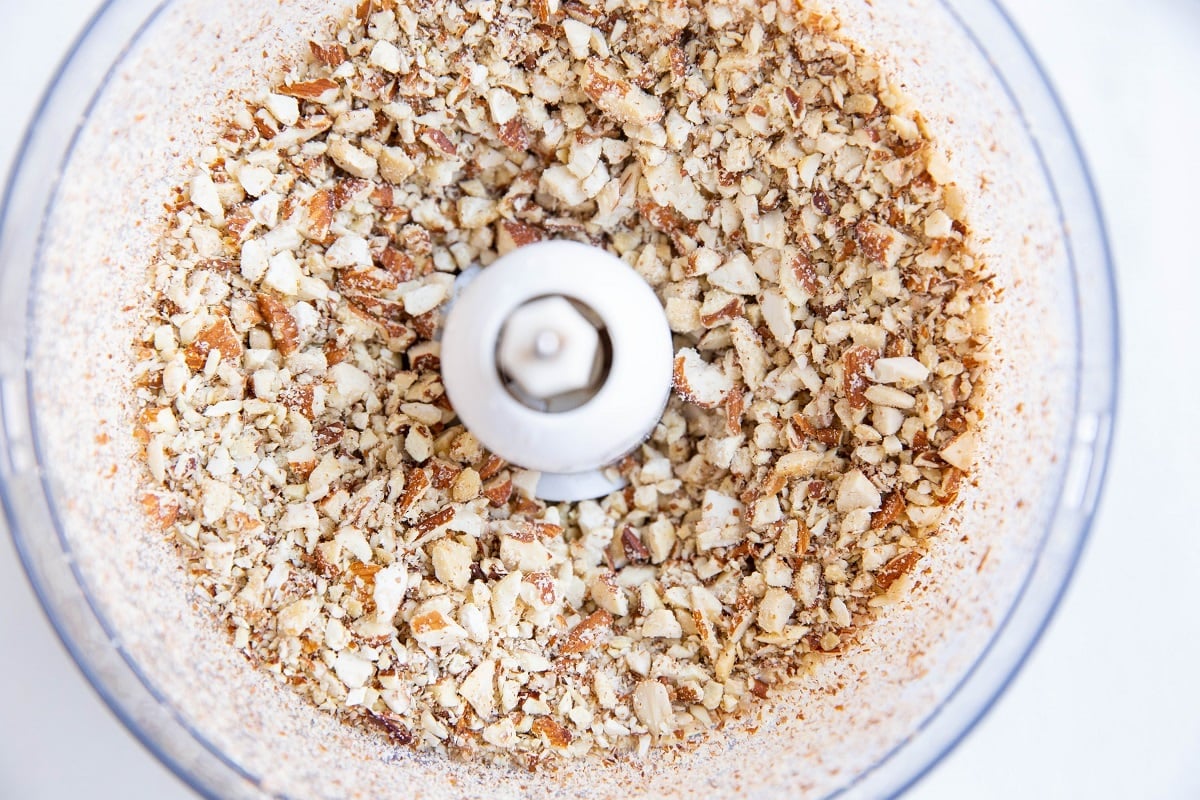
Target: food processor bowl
[{"x": 150, "y": 83}]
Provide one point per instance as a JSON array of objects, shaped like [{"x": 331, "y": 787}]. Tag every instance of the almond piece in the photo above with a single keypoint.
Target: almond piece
[
  {"x": 856, "y": 368},
  {"x": 857, "y": 492},
  {"x": 284, "y": 331},
  {"x": 588, "y": 633},
  {"x": 219, "y": 336},
  {"x": 652, "y": 705},
  {"x": 479, "y": 689},
  {"x": 699, "y": 382},
  {"x": 891, "y": 571},
  {"x": 889, "y": 512},
  {"x": 556, "y": 735},
  {"x": 321, "y": 90},
  {"x": 618, "y": 97}
]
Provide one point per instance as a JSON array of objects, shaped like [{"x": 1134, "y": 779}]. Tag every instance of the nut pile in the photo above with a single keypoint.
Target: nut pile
[{"x": 807, "y": 243}]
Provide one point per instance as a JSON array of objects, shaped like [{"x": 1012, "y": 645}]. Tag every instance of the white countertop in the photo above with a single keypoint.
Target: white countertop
[{"x": 1109, "y": 705}]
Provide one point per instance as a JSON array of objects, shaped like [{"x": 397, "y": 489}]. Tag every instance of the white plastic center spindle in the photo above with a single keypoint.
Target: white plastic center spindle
[
  {"x": 547, "y": 344},
  {"x": 552, "y": 354},
  {"x": 558, "y": 358}
]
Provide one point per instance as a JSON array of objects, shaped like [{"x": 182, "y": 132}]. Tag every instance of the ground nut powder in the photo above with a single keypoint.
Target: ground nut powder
[{"x": 808, "y": 244}]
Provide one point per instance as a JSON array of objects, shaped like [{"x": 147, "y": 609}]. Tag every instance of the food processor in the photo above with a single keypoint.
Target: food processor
[{"x": 143, "y": 92}]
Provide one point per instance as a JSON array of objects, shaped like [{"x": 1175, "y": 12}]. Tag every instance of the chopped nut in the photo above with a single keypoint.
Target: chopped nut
[
  {"x": 204, "y": 194},
  {"x": 608, "y": 595},
  {"x": 900, "y": 370},
  {"x": 352, "y": 159},
  {"x": 579, "y": 37},
  {"x": 284, "y": 331},
  {"x": 502, "y": 105},
  {"x": 395, "y": 166},
  {"x": 431, "y": 626},
  {"x": 451, "y": 563},
  {"x": 857, "y": 364},
  {"x": 660, "y": 539},
  {"x": 352, "y": 670},
  {"x": 960, "y": 452},
  {"x": 283, "y": 108},
  {"x": 856, "y": 491},
  {"x": 775, "y": 610},
  {"x": 321, "y": 90},
  {"x": 466, "y": 486},
  {"x": 661, "y": 624},
  {"x": 556, "y": 735},
  {"x": 633, "y": 547},
  {"x": 386, "y": 56},
  {"x": 887, "y": 396},
  {"x": 891, "y": 509},
  {"x": 736, "y": 276},
  {"x": 588, "y": 633},
  {"x": 795, "y": 219},
  {"x": 699, "y": 382},
  {"x": 652, "y": 704},
  {"x": 479, "y": 689},
  {"x": 721, "y": 523},
  {"x": 219, "y": 337},
  {"x": 900, "y": 565},
  {"x": 620, "y": 98}
]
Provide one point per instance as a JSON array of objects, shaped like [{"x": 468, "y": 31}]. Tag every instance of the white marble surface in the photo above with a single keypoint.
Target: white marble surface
[{"x": 1109, "y": 705}]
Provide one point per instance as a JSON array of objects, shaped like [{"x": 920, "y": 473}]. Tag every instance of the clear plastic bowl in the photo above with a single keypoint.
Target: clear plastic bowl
[{"x": 78, "y": 226}]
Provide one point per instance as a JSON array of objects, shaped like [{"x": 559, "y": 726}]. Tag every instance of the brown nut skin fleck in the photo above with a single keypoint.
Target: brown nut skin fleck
[
  {"x": 830, "y": 437},
  {"x": 331, "y": 55},
  {"x": 428, "y": 622},
  {"x": 393, "y": 726},
  {"x": 310, "y": 90},
  {"x": 444, "y": 474},
  {"x": 521, "y": 234},
  {"x": 330, "y": 434},
  {"x": 365, "y": 572},
  {"x": 632, "y": 544},
  {"x": 856, "y": 363},
  {"x": 588, "y": 633},
  {"x": 731, "y": 310},
  {"x": 162, "y": 510},
  {"x": 298, "y": 398},
  {"x": 398, "y": 264},
  {"x": 284, "y": 330},
  {"x": 556, "y": 735},
  {"x": 889, "y": 512},
  {"x": 514, "y": 134},
  {"x": 874, "y": 240},
  {"x": 498, "y": 491},
  {"x": 547, "y": 530},
  {"x": 491, "y": 467},
  {"x": 544, "y": 583},
  {"x": 346, "y": 188},
  {"x": 898, "y": 566},
  {"x": 434, "y": 520},
  {"x": 541, "y": 10},
  {"x": 219, "y": 336},
  {"x": 805, "y": 272},
  {"x": 415, "y": 485},
  {"x": 439, "y": 141}
]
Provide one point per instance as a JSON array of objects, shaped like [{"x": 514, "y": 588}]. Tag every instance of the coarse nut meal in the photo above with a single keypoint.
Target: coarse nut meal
[{"x": 812, "y": 253}]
